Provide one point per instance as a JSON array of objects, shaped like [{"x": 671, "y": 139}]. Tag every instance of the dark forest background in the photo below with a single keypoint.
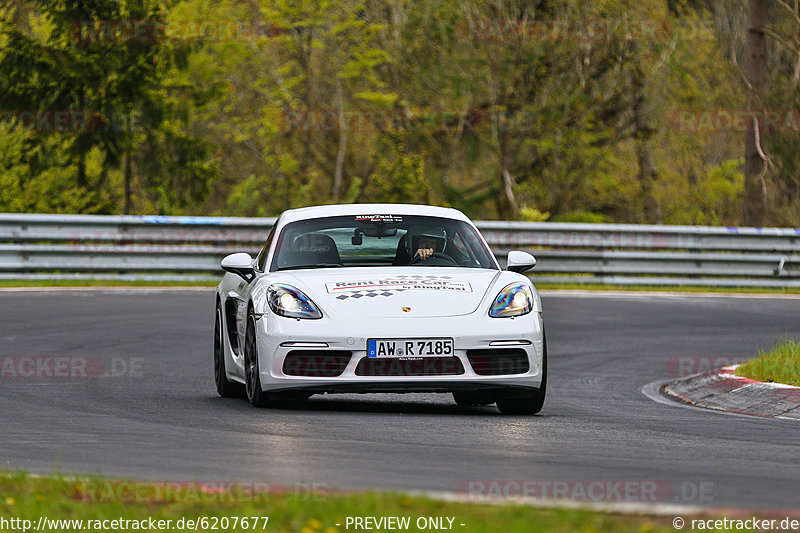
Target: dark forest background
[{"x": 639, "y": 111}]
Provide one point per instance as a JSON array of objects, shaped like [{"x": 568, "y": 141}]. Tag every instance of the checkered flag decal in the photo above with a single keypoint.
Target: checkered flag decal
[
  {"x": 367, "y": 293},
  {"x": 384, "y": 289}
]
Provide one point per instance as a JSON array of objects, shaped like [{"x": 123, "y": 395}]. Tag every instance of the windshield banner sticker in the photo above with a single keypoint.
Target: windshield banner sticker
[
  {"x": 389, "y": 286},
  {"x": 391, "y": 219}
]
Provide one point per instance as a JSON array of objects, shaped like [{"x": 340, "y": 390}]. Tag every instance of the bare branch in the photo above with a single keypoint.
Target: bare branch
[
  {"x": 790, "y": 9},
  {"x": 782, "y": 40},
  {"x": 765, "y": 158}
]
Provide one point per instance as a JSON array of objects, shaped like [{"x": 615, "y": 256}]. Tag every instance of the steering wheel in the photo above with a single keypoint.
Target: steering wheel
[{"x": 435, "y": 255}]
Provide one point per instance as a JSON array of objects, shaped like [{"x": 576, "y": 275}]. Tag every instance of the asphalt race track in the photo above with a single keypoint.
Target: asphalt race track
[{"x": 163, "y": 420}]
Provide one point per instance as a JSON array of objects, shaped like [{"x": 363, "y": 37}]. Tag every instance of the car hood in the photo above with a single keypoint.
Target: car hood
[{"x": 418, "y": 292}]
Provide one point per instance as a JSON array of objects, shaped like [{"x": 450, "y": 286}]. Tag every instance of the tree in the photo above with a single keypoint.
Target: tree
[
  {"x": 92, "y": 60},
  {"x": 55, "y": 71},
  {"x": 755, "y": 160}
]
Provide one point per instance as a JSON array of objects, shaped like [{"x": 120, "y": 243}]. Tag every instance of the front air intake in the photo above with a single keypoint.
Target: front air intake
[
  {"x": 396, "y": 367},
  {"x": 316, "y": 363},
  {"x": 499, "y": 362}
]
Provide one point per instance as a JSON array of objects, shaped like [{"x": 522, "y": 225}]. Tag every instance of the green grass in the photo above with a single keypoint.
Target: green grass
[
  {"x": 780, "y": 364},
  {"x": 56, "y": 497}
]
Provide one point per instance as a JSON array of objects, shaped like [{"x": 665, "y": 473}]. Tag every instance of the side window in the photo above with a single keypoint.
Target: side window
[
  {"x": 460, "y": 251},
  {"x": 261, "y": 260}
]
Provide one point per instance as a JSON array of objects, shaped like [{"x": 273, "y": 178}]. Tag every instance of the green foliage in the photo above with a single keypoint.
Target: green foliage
[
  {"x": 582, "y": 216},
  {"x": 399, "y": 176},
  {"x": 353, "y": 191},
  {"x": 76, "y": 58},
  {"x": 315, "y": 103},
  {"x": 249, "y": 198},
  {"x": 713, "y": 198},
  {"x": 530, "y": 214}
]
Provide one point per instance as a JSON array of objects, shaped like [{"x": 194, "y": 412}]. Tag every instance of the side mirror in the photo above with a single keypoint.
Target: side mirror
[
  {"x": 519, "y": 261},
  {"x": 240, "y": 264}
]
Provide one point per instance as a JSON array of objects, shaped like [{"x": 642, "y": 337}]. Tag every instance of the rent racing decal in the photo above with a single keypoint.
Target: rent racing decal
[{"x": 389, "y": 286}]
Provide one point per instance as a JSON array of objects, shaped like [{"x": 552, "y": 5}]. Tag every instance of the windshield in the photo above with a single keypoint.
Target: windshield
[{"x": 380, "y": 240}]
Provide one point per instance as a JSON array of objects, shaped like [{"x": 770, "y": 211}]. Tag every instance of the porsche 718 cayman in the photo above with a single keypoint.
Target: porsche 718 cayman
[{"x": 380, "y": 298}]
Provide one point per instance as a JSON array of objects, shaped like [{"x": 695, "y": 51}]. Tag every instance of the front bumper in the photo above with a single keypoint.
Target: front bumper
[{"x": 278, "y": 336}]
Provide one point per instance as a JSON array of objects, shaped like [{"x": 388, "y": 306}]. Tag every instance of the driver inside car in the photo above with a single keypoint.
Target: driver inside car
[
  {"x": 425, "y": 247},
  {"x": 426, "y": 242}
]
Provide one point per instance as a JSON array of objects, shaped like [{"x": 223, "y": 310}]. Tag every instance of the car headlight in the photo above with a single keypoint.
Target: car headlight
[
  {"x": 515, "y": 299},
  {"x": 285, "y": 300}
]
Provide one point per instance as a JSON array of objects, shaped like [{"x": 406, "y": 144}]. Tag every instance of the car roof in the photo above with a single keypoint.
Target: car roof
[{"x": 319, "y": 211}]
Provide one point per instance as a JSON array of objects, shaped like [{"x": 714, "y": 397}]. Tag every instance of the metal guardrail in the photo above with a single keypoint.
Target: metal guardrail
[{"x": 174, "y": 248}]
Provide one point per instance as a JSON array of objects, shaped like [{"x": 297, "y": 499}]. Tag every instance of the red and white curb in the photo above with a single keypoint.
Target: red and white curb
[{"x": 723, "y": 390}]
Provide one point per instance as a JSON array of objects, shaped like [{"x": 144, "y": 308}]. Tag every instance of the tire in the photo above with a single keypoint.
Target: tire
[
  {"x": 529, "y": 403},
  {"x": 471, "y": 399},
  {"x": 225, "y": 387},
  {"x": 252, "y": 374},
  {"x": 289, "y": 400}
]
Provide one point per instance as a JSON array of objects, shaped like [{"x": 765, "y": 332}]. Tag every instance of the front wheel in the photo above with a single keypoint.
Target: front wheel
[
  {"x": 529, "y": 403},
  {"x": 225, "y": 387},
  {"x": 252, "y": 375}
]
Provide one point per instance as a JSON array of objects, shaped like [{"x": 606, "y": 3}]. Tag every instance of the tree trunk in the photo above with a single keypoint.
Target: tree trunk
[
  {"x": 754, "y": 210},
  {"x": 337, "y": 172},
  {"x": 128, "y": 178},
  {"x": 509, "y": 209},
  {"x": 650, "y": 210},
  {"x": 128, "y": 173},
  {"x": 82, "y": 180}
]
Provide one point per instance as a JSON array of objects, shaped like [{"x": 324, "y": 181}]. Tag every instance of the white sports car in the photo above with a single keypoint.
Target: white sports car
[{"x": 380, "y": 298}]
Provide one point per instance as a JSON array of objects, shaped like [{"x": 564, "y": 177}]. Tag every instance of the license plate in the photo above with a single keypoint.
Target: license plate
[{"x": 438, "y": 347}]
